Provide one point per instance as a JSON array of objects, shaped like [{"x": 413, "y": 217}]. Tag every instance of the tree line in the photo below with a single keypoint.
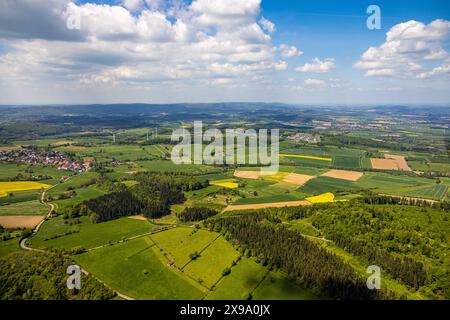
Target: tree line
[{"x": 308, "y": 264}]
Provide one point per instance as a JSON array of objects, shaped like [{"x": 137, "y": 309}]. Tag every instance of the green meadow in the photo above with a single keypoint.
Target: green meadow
[
  {"x": 74, "y": 233},
  {"x": 207, "y": 268},
  {"x": 135, "y": 268},
  {"x": 28, "y": 208},
  {"x": 179, "y": 243}
]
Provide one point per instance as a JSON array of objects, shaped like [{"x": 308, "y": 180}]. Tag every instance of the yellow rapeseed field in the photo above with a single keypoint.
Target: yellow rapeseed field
[
  {"x": 7, "y": 187},
  {"x": 230, "y": 184},
  {"x": 304, "y": 157},
  {"x": 322, "y": 198}
]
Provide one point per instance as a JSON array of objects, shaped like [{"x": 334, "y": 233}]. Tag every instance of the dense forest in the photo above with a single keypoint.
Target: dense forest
[
  {"x": 42, "y": 276},
  {"x": 151, "y": 197},
  {"x": 308, "y": 264},
  {"x": 196, "y": 214},
  {"x": 409, "y": 242}
]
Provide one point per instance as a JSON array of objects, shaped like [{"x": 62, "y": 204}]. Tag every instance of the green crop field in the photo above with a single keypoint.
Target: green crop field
[
  {"x": 207, "y": 269},
  {"x": 348, "y": 162},
  {"x": 440, "y": 167},
  {"x": 241, "y": 282},
  {"x": 381, "y": 181},
  {"x": 10, "y": 170},
  {"x": 54, "y": 233},
  {"x": 179, "y": 243},
  {"x": 326, "y": 184},
  {"x": 28, "y": 208},
  {"x": 305, "y": 162},
  {"x": 276, "y": 286},
  {"x": 437, "y": 192},
  {"x": 418, "y": 165},
  {"x": 21, "y": 196},
  {"x": 136, "y": 269}
]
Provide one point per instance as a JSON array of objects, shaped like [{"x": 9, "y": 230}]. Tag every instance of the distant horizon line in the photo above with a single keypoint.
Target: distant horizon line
[{"x": 440, "y": 104}]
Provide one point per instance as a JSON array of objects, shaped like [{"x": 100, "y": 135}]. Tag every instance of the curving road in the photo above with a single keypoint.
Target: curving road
[{"x": 23, "y": 242}]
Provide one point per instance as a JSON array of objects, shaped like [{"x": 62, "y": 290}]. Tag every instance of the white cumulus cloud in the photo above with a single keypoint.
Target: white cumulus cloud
[
  {"x": 408, "y": 45},
  {"x": 318, "y": 66}
]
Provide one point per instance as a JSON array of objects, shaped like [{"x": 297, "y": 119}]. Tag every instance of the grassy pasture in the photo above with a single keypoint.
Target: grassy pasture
[
  {"x": 82, "y": 195},
  {"x": 305, "y": 162},
  {"x": 28, "y": 208},
  {"x": 418, "y": 165},
  {"x": 10, "y": 170},
  {"x": 323, "y": 185},
  {"x": 169, "y": 166},
  {"x": 86, "y": 234},
  {"x": 440, "y": 167},
  {"x": 179, "y": 243},
  {"x": 349, "y": 162},
  {"x": 121, "y": 152},
  {"x": 267, "y": 199},
  {"x": 380, "y": 181},
  {"x": 20, "y": 196},
  {"x": 212, "y": 261},
  {"x": 241, "y": 282},
  {"x": 135, "y": 268}
]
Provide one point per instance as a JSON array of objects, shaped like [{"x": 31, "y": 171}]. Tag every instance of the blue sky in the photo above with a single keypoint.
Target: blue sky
[{"x": 156, "y": 51}]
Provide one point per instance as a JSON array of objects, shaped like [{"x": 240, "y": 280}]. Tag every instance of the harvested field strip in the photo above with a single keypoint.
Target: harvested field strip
[
  {"x": 267, "y": 205},
  {"x": 297, "y": 179},
  {"x": 247, "y": 174},
  {"x": 305, "y": 157},
  {"x": 344, "y": 175},
  {"x": 14, "y": 222}
]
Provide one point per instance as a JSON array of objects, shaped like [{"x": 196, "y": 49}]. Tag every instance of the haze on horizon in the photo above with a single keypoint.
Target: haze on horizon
[{"x": 155, "y": 51}]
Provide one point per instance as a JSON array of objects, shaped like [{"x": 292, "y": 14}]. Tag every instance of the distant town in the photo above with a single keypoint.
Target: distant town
[{"x": 31, "y": 156}]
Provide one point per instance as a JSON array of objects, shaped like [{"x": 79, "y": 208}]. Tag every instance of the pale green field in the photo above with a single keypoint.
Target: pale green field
[
  {"x": 212, "y": 261},
  {"x": 179, "y": 243},
  {"x": 135, "y": 268},
  {"x": 54, "y": 233},
  {"x": 28, "y": 208}
]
